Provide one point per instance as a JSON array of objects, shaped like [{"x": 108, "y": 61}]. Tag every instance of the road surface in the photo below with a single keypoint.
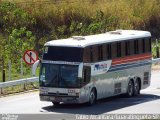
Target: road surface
[{"x": 28, "y": 103}]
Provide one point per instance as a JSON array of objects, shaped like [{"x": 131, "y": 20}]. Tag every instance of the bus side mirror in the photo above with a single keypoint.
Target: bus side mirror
[
  {"x": 35, "y": 67},
  {"x": 80, "y": 69},
  {"x": 86, "y": 74}
]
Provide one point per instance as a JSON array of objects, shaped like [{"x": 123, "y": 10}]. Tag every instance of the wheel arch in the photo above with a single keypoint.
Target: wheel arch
[{"x": 90, "y": 100}]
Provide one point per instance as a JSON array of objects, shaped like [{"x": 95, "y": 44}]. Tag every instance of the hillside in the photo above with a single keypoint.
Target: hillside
[{"x": 29, "y": 24}]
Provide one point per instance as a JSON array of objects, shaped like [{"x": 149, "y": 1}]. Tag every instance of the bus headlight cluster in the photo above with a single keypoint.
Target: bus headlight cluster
[
  {"x": 43, "y": 91},
  {"x": 73, "y": 92}
]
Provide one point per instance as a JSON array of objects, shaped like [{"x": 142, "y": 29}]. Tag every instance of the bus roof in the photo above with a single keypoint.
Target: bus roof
[{"x": 112, "y": 36}]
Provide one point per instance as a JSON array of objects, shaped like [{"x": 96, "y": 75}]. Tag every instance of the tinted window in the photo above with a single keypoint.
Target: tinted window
[
  {"x": 91, "y": 53},
  {"x": 104, "y": 52},
  {"x": 131, "y": 47},
  {"x": 143, "y": 45},
  {"x": 123, "y": 48},
  {"x": 136, "y": 47},
  {"x": 114, "y": 51},
  {"x": 127, "y": 48},
  {"x": 140, "y": 43},
  {"x": 70, "y": 54},
  {"x": 100, "y": 52},
  {"x": 109, "y": 55},
  {"x": 95, "y": 53},
  {"x": 87, "y": 55},
  {"x": 119, "y": 49},
  {"x": 148, "y": 44}
]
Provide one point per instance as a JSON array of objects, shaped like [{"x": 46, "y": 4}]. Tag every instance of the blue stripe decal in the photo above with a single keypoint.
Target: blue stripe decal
[{"x": 129, "y": 65}]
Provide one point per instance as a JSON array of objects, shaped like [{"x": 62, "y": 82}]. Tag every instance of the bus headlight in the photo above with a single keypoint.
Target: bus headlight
[{"x": 43, "y": 91}]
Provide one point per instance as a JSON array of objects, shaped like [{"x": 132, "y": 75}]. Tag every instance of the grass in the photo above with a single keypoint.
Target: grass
[
  {"x": 61, "y": 19},
  {"x": 16, "y": 76},
  {"x": 19, "y": 88},
  {"x": 64, "y": 18}
]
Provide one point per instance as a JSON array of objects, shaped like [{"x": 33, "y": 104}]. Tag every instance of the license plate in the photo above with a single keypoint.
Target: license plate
[
  {"x": 52, "y": 98},
  {"x": 58, "y": 99}
]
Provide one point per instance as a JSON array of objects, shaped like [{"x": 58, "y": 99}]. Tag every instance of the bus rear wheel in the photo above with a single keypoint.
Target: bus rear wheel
[
  {"x": 136, "y": 87},
  {"x": 130, "y": 89},
  {"x": 92, "y": 97}
]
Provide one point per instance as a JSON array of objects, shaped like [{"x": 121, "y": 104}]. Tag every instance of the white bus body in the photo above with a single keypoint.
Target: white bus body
[{"x": 87, "y": 68}]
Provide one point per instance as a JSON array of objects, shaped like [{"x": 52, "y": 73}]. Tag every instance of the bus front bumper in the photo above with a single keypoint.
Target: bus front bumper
[{"x": 65, "y": 99}]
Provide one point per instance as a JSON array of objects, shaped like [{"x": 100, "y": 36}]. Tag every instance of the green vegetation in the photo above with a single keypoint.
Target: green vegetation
[
  {"x": 19, "y": 88},
  {"x": 17, "y": 75},
  {"x": 29, "y": 24}
]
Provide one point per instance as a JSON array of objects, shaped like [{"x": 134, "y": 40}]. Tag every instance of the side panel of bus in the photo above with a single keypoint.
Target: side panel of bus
[
  {"x": 116, "y": 82},
  {"x": 130, "y": 60}
]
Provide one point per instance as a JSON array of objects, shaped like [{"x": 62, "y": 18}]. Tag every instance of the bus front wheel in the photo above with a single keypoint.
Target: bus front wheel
[
  {"x": 55, "y": 103},
  {"x": 92, "y": 97}
]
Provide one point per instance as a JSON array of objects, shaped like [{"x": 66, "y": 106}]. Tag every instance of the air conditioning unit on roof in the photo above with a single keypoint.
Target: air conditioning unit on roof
[
  {"x": 78, "y": 37},
  {"x": 117, "y": 32}
]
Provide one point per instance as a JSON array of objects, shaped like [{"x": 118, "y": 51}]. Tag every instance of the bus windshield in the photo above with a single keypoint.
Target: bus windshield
[{"x": 64, "y": 76}]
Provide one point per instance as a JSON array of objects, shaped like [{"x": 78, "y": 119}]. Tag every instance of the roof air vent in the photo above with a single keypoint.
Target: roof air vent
[
  {"x": 78, "y": 37},
  {"x": 117, "y": 32}
]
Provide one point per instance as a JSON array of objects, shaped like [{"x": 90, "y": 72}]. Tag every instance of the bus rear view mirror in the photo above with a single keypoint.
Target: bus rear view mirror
[{"x": 35, "y": 67}]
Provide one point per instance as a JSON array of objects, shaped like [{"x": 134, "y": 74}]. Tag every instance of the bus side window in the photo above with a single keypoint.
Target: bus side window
[
  {"x": 95, "y": 53},
  {"x": 91, "y": 54},
  {"x": 100, "y": 52},
  {"x": 104, "y": 49},
  {"x": 136, "y": 47},
  {"x": 123, "y": 49},
  {"x": 119, "y": 51},
  {"x": 108, "y": 51},
  {"x": 113, "y": 50},
  {"x": 86, "y": 74},
  {"x": 86, "y": 55},
  {"x": 148, "y": 44},
  {"x": 140, "y": 43},
  {"x": 127, "y": 48},
  {"x": 143, "y": 44},
  {"x": 132, "y": 47}
]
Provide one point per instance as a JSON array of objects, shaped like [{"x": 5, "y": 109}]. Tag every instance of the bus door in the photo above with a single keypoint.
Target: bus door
[{"x": 86, "y": 74}]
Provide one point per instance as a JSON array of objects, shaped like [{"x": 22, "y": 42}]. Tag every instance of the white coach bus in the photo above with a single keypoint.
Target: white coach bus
[{"x": 83, "y": 69}]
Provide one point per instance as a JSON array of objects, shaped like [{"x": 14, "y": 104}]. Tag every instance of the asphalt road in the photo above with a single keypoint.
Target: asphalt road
[{"x": 28, "y": 106}]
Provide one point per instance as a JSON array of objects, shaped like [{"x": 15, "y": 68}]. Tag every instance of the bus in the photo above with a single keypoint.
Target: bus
[{"x": 84, "y": 69}]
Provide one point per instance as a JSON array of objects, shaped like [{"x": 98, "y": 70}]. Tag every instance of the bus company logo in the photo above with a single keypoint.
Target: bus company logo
[{"x": 100, "y": 66}]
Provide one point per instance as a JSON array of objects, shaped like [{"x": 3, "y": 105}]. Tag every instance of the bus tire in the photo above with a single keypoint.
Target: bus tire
[
  {"x": 137, "y": 87},
  {"x": 92, "y": 97},
  {"x": 56, "y": 103},
  {"x": 130, "y": 89}
]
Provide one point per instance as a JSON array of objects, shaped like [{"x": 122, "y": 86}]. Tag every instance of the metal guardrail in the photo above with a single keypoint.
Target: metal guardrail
[
  {"x": 35, "y": 79},
  {"x": 18, "y": 82},
  {"x": 157, "y": 60}
]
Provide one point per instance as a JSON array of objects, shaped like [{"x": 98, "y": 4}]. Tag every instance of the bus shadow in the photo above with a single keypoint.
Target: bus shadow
[{"x": 103, "y": 106}]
